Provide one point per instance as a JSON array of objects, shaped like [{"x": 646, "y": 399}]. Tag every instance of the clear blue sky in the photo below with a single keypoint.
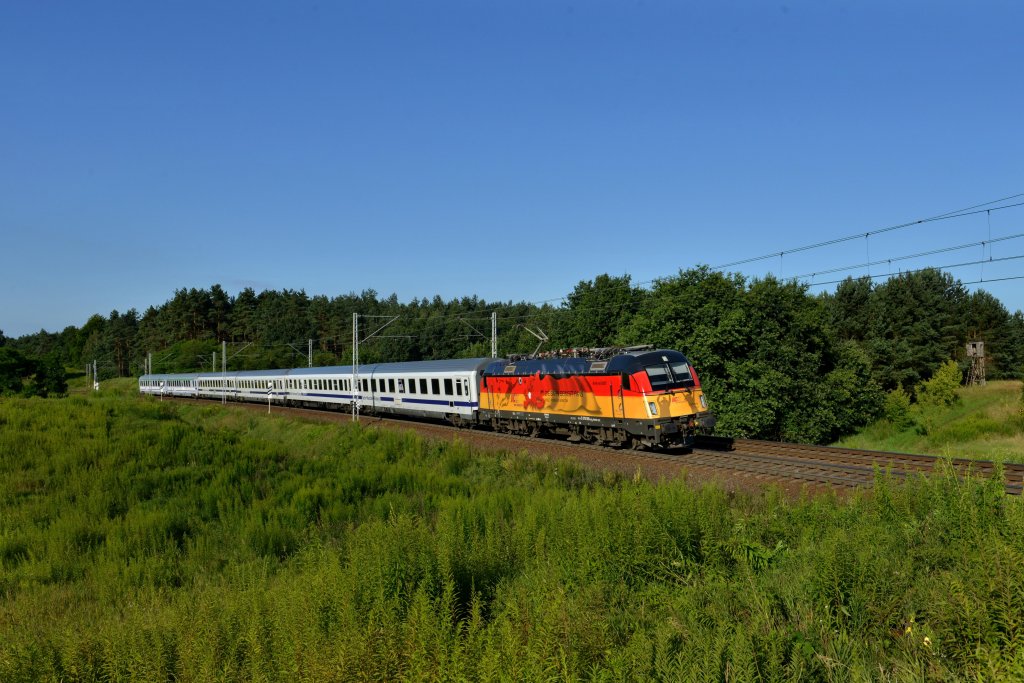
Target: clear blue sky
[{"x": 503, "y": 149}]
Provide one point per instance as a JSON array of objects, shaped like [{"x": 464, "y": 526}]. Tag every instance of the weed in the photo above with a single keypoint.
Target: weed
[{"x": 141, "y": 541}]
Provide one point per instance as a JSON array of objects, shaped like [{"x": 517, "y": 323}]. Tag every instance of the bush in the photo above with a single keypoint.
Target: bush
[
  {"x": 897, "y": 408},
  {"x": 941, "y": 389}
]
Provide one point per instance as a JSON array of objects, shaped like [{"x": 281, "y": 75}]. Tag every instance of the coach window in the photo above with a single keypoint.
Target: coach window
[
  {"x": 423, "y": 386},
  {"x": 435, "y": 387},
  {"x": 401, "y": 385},
  {"x": 448, "y": 386},
  {"x": 458, "y": 387}
]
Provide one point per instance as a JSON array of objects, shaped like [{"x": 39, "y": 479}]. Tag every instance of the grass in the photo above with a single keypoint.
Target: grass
[
  {"x": 986, "y": 423},
  {"x": 146, "y": 541}
]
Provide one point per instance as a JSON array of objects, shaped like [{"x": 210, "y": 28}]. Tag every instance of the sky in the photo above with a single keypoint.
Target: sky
[{"x": 503, "y": 149}]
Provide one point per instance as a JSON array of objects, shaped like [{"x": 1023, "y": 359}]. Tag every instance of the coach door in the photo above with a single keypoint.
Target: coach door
[{"x": 618, "y": 400}]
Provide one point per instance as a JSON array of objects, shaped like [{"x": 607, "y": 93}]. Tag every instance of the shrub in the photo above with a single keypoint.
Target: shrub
[
  {"x": 941, "y": 389},
  {"x": 897, "y": 408}
]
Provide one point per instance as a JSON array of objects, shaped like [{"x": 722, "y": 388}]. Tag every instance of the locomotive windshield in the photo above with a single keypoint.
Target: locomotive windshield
[{"x": 672, "y": 375}]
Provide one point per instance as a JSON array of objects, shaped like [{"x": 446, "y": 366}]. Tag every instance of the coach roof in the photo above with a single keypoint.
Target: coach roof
[{"x": 428, "y": 366}]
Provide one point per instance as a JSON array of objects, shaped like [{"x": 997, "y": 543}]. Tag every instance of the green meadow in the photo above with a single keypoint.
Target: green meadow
[
  {"x": 985, "y": 423},
  {"x": 154, "y": 541}
]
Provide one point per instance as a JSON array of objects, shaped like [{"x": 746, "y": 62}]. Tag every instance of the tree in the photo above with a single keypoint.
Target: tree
[
  {"x": 50, "y": 378},
  {"x": 1013, "y": 353},
  {"x": 986, "y": 319},
  {"x": 14, "y": 367},
  {"x": 122, "y": 333},
  {"x": 916, "y": 323},
  {"x": 219, "y": 315},
  {"x": 849, "y": 309},
  {"x": 596, "y": 311},
  {"x": 243, "y": 317}
]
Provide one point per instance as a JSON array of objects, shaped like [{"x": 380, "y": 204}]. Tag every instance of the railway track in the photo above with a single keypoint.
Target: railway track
[
  {"x": 752, "y": 461},
  {"x": 845, "y": 467}
]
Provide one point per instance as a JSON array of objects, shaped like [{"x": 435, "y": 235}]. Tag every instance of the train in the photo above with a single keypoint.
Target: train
[{"x": 633, "y": 397}]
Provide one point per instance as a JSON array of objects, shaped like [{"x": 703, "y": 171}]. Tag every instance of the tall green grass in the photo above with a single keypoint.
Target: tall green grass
[{"x": 146, "y": 541}]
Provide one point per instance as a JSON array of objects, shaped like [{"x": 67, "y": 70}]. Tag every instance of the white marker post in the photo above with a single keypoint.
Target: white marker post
[
  {"x": 270, "y": 392},
  {"x": 162, "y": 389}
]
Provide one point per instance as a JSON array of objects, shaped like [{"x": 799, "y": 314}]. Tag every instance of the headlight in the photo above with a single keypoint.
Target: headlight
[{"x": 703, "y": 402}]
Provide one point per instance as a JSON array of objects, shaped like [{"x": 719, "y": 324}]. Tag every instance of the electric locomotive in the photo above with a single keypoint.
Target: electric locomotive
[{"x": 637, "y": 397}]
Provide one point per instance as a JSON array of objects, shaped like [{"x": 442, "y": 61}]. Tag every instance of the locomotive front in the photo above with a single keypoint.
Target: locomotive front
[{"x": 664, "y": 399}]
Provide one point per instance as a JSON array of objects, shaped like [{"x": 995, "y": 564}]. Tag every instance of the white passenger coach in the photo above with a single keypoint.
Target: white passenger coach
[{"x": 443, "y": 389}]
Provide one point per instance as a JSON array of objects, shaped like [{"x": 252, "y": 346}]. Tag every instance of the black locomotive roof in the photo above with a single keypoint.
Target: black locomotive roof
[{"x": 624, "y": 362}]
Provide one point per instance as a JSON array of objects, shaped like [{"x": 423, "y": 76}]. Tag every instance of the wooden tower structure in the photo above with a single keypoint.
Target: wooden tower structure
[{"x": 976, "y": 355}]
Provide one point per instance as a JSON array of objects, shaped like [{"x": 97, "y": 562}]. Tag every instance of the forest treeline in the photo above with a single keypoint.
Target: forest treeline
[{"x": 777, "y": 361}]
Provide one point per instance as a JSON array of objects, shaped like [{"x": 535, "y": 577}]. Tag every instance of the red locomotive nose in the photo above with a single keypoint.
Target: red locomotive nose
[{"x": 696, "y": 379}]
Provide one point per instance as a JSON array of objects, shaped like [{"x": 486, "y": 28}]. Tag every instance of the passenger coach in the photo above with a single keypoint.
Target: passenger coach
[{"x": 443, "y": 389}]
